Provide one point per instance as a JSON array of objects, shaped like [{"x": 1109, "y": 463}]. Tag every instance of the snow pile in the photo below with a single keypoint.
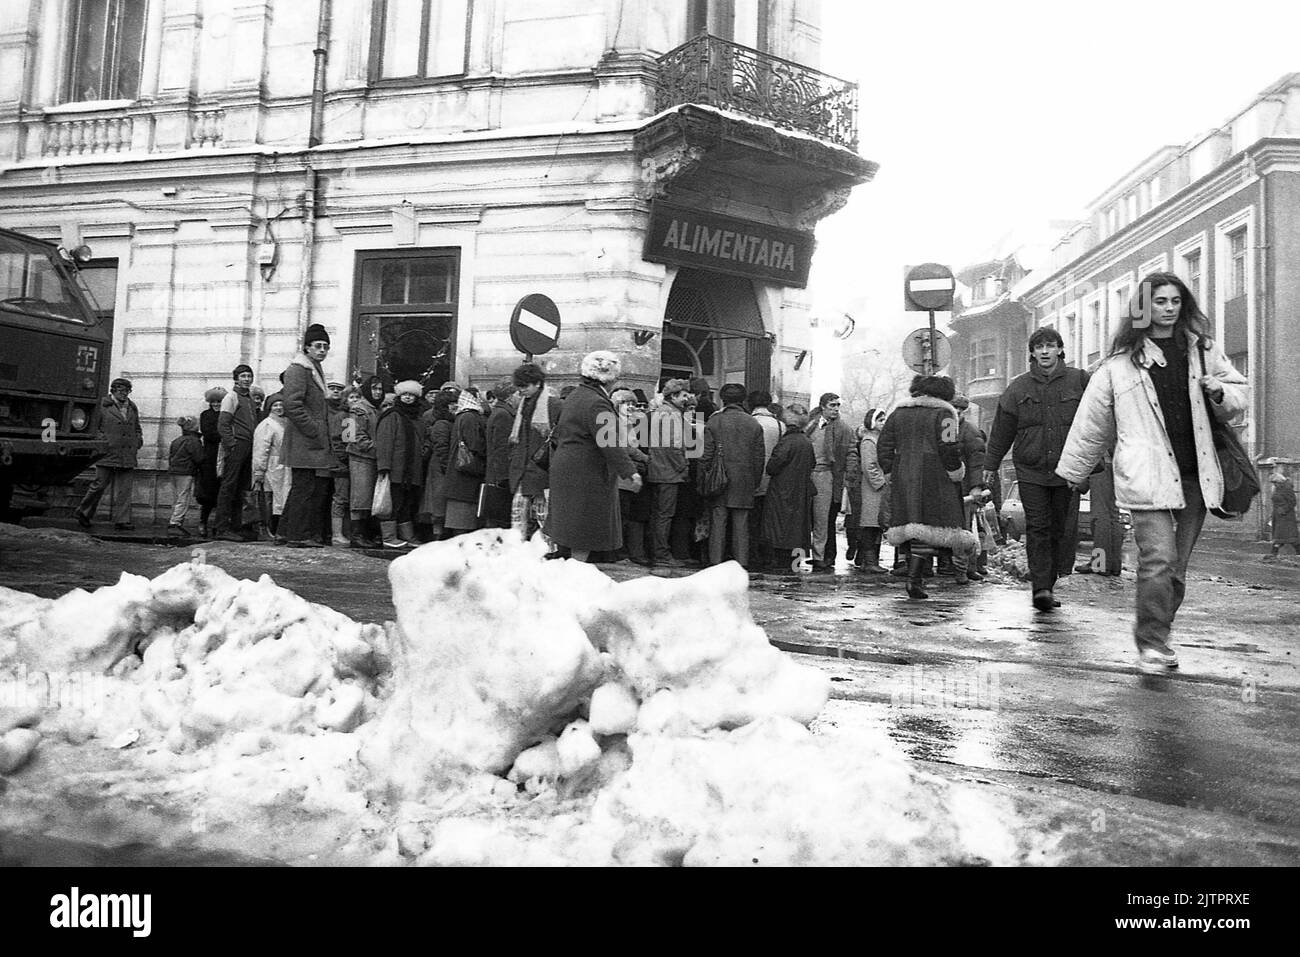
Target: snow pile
[
  {"x": 1012, "y": 559},
  {"x": 202, "y": 655},
  {"x": 499, "y": 662}
]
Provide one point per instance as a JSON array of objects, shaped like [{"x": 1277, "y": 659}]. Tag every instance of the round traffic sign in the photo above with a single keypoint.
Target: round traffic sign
[
  {"x": 917, "y": 345},
  {"x": 929, "y": 286},
  {"x": 535, "y": 324}
]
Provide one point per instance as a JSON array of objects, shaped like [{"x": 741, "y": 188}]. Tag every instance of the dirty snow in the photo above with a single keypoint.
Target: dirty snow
[{"x": 518, "y": 711}]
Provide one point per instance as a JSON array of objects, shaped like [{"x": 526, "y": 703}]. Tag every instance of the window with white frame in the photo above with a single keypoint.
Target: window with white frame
[
  {"x": 1094, "y": 330},
  {"x": 984, "y": 357},
  {"x": 1069, "y": 330},
  {"x": 1154, "y": 264},
  {"x": 1189, "y": 264},
  {"x": 106, "y": 51},
  {"x": 1155, "y": 191},
  {"x": 420, "y": 39},
  {"x": 1121, "y": 294},
  {"x": 1236, "y": 285}
]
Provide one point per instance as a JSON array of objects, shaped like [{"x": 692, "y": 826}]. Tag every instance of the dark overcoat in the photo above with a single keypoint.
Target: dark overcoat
[
  {"x": 584, "y": 508},
  {"x": 526, "y": 476},
  {"x": 437, "y": 439},
  {"x": 743, "y": 454},
  {"x": 307, "y": 420},
  {"x": 397, "y": 447},
  {"x": 460, "y": 485},
  {"x": 499, "y": 423},
  {"x": 787, "y": 510},
  {"x": 1284, "y": 522},
  {"x": 208, "y": 486},
  {"x": 920, "y": 450},
  {"x": 120, "y": 426}
]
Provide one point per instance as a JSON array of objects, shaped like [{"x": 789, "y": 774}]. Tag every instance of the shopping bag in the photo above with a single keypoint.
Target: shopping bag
[{"x": 381, "y": 505}]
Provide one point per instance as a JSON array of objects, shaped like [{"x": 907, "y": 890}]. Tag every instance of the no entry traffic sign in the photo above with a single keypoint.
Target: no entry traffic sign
[
  {"x": 928, "y": 288},
  {"x": 535, "y": 325}
]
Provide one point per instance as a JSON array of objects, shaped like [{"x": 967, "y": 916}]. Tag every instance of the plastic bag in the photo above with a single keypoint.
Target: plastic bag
[{"x": 381, "y": 506}]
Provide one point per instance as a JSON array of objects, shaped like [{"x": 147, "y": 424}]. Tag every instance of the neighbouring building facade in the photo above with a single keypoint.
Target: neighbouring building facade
[
  {"x": 406, "y": 171},
  {"x": 989, "y": 333},
  {"x": 1223, "y": 213}
]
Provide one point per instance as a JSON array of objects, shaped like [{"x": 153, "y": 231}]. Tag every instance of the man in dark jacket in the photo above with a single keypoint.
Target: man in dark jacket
[
  {"x": 668, "y": 468},
  {"x": 744, "y": 456},
  {"x": 1035, "y": 413},
  {"x": 235, "y": 424},
  {"x": 307, "y": 450},
  {"x": 833, "y": 441},
  {"x": 117, "y": 420},
  {"x": 535, "y": 420}
]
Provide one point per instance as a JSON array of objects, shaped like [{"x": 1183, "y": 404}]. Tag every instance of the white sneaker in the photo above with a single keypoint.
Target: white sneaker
[{"x": 1154, "y": 661}]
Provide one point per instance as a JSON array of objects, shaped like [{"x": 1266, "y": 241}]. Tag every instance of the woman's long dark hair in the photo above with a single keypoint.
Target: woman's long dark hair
[{"x": 1134, "y": 326}]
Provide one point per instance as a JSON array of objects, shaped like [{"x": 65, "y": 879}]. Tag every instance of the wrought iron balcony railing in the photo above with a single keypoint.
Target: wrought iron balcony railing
[{"x": 716, "y": 72}]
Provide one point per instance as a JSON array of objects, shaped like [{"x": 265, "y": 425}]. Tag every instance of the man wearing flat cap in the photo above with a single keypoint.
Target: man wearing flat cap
[
  {"x": 307, "y": 449},
  {"x": 117, "y": 420}
]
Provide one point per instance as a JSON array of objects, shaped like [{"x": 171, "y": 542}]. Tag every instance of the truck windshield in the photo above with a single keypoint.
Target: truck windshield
[{"x": 31, "y": 282}]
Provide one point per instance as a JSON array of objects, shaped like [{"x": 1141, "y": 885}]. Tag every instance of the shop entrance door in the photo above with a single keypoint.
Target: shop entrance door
[
  {"x": 404, "y": 312},
  {"x": 712, "y": 329}
]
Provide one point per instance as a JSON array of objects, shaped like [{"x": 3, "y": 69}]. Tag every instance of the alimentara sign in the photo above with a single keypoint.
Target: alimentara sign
[{"x": 688, "y": 237}]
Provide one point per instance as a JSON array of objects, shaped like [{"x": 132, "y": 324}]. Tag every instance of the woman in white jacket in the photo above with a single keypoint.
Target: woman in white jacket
[
  {"x": 1151, "y": 400},
  {"x": 269, "y": 473}
]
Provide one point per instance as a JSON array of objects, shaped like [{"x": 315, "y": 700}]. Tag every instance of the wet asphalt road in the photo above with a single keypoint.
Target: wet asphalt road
[{"x": 1201, "y": 767}]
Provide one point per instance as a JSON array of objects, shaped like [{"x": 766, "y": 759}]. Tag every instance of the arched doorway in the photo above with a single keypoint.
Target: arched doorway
[{"x": 712, "y": 329}]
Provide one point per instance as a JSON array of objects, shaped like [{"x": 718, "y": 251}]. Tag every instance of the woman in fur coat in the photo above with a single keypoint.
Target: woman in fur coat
[{"x": 920, "y": 453}]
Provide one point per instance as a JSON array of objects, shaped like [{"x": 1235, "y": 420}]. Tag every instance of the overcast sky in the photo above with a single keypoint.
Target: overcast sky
[{"x": 993, "y": 117}]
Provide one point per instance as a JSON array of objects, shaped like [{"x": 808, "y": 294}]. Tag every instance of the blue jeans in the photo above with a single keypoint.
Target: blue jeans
[{"x": 1164, "y": 540}]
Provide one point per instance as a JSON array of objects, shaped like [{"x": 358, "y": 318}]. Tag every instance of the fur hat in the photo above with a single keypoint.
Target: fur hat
[
  {"x": 600, "y": 365},
  {"x": 960, "y": 402},
  {"x": 188, "y": 423},
  {"x": 673, "y": 386},
  {"x": 315, "y": 333},
  {"x": 271, "y": 400},
  {"x": 215, "y": 394},
  {"x": 409, "y": 387}
]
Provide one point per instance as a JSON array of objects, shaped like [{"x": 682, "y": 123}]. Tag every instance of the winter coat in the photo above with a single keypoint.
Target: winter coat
[
  {"x": 397, "y": 447},
  {"x": 497, "y": 434},
  {"x": 743, "y": 454},
  {"x": 584, "y": 509},
  {"x": 185, "y": 456},
  {"x": 972, "y": 444},
  {"x": 787, "y": 510},
  {"x": 919, "y": 450},
  {"x": 306, "y": 413},
  {"x": 268, "y": 461},
  {"x": 208, "y": 486},
  {"x": 338, "y": 414},
  {"x": 1120, "y": 408},
  {"x": 120, "y": 427},
  {"x": 1285, "y": 531},
  {"x": 437, "y": 438},
  {"x": 871, "y": 481},
  {"x": 235, "y": 421},
  {"x": 668, "y": 465},
  {"x": 526, "y": 476},
  {"x": 772, "y": 430},
  {"x": 460, "y": 486},
  {"x": 842, "y": 444},
  {"x": 365, "y": 423},
  {"x": 1035, "y": 413}
]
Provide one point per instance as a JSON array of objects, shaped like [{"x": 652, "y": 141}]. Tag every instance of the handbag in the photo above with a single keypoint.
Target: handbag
[
  {"x": 1240, "y": 484},
  {"x": 711, "y": 480},
  {"x": 467, "y": 461},
  {"x": 381, "y": 504},
  {"x": 542, "y": 457}
]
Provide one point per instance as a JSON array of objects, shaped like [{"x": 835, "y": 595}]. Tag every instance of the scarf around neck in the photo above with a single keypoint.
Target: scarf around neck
[{"x": 541, "y": 420}]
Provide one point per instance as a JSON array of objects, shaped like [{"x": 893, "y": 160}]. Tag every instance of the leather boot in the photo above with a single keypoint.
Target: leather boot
[
  {"x": 406, "y": 532},
  {"x": 854, "y": 537},
  {"x": 902, "y": 555},
  {"x": 388, "y": 534},
  {"x": 870, "y": 559},
  {"x": 915, "y": 563},
  {"x": 340, "y": 540},
  {"x": 360, "y": 533}
]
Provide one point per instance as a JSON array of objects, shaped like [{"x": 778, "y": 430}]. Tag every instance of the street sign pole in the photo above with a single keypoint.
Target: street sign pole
[{"x": 932, "y": 350}]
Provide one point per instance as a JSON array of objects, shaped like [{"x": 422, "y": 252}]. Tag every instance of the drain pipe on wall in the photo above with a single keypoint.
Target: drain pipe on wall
[{"x": 312, "y": 184}]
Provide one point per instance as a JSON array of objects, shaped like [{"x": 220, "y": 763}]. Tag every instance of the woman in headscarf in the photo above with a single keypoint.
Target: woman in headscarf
[
  {"x": 919, "y": 451},
  {"x": 360, "y": 437},
  {"x": 586, "y": 465},
  {"x": 398, "y": 456},
  {"x": 873, "y": 486},
  {"x": 463, "y": 474},
  {"x": 209, "y": 483},
  {"x": 269, "y": 474}
]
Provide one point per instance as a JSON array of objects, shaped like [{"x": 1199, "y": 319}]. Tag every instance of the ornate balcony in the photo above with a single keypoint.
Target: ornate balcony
[{"x": 715, "y": 72}]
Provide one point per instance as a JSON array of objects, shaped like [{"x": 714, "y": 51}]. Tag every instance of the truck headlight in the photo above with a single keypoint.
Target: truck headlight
[{"x": 78, "y": 420}]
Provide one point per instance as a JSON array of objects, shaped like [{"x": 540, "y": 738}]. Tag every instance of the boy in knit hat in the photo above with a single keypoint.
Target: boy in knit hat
[{"x": 184, "y": 459}]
